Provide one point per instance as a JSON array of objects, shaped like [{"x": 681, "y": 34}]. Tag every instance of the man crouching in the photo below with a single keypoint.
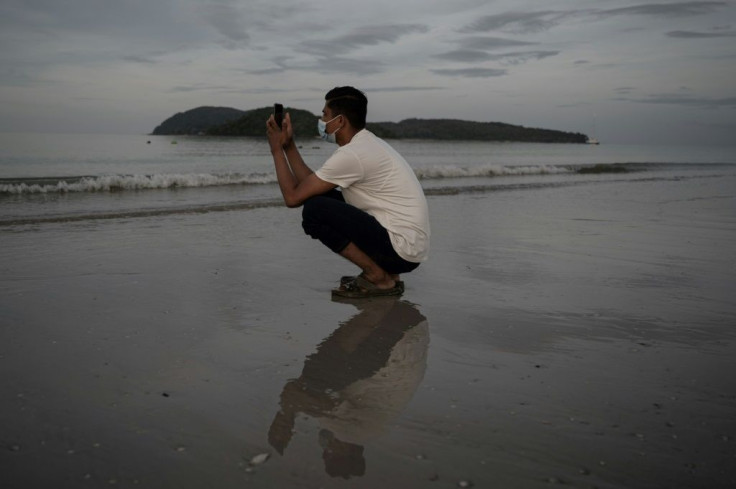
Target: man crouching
[{"x": 378, "y": 219}]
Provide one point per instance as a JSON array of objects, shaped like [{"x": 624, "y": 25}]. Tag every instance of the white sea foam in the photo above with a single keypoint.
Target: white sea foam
[
  {"x": 451, "y": 171},
  {"x": 110, "y": 183}
]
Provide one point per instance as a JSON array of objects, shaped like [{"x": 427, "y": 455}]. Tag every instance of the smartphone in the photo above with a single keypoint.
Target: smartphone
[{"x": 278, "y": 113}]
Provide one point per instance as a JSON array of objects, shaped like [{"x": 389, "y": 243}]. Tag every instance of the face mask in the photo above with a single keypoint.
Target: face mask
[{"x": 322, "y": 129}]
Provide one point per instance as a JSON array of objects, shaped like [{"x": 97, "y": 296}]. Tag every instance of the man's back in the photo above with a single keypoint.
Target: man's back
[{"x": 378, "y": 180}]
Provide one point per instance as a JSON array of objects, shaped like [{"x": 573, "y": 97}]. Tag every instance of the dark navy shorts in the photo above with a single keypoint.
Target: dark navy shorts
[{"x": 336, "y": 223}]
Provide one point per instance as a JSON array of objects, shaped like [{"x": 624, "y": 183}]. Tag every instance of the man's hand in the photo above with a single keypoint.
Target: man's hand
[
  {"x": 296, "y": 181},
  {"x": 279, "y": 138}
]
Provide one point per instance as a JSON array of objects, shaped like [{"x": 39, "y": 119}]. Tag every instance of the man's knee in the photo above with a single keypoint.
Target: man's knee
[
  {"x": 309, "y": 205},
  {"x": 310, "y": 214},
  {"x": 318, "y": 221},
  {"x": 315, "y": 215}
]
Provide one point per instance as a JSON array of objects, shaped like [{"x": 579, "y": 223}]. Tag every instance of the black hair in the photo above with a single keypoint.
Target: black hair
[{"x": 349, "y": 102}]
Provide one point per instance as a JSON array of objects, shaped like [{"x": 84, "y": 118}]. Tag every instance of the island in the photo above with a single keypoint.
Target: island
[{"x": 225, "y": 121}]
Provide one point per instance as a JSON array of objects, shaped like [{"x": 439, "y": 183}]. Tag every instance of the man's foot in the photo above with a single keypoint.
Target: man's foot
[
  {"x": 346, "y": 279},
  {"x": 361, "y": 287}
]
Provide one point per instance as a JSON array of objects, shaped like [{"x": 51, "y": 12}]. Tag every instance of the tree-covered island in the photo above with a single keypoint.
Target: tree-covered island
[{"x": 224, "y": 121}]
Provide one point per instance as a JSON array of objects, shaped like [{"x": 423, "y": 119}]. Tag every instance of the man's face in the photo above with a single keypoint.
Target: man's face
[{"x": 326, "y": 113}]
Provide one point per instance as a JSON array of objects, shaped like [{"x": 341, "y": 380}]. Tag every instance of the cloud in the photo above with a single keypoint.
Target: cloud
[
  {"x": 402, "y": 89},
  {"x": 464, "y": 56},
  {"x": 229, "y": 21},
  {"x": 196, "y": 87},
  {"x": 11, "y": 76},
  {"x": 329, "y": 54},
  {"x": 491, "y": 43},
  {"x": 226, "y": 89},
  {"x": 471, "y": 72},
  {"x": 339, "y": 64},
  {"x": 162, "y": 22},
  {"x": 281, "y": 62},
  {"x": 515, "y": 58},
  {"x": 139, "y": 59},
  {"x": 265, "y": 71},
  {"x": 518, "y": 22},
  {"x": 475, "y": 50},
  {"x": 320, "y": 64},
  {"x": 699, "y": 35},
  {"x": 682, "y": 9},
  {"x": 544, "y": 20},
  {"x": 522, "y": 57},
  {"x": 360, "y": 37},
  {"x": 684, "y": 101},
  {"x": 573, "y": 105},
  {"x": 624, "y": 90},
  {"x": 348, "y": 65}
]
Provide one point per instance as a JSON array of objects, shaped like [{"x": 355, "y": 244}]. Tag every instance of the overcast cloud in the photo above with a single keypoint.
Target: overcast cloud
[{"x": 625, "y": 71}]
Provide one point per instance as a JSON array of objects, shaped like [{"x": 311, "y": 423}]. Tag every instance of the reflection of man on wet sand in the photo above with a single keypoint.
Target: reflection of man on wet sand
[{"x": 359, "y": 379}]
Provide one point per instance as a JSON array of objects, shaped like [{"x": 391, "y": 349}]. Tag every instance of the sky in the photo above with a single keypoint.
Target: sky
[{"x": 622, "y": 71}]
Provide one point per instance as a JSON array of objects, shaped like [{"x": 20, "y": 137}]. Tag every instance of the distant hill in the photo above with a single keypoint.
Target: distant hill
[
  {"x": 453, "y": 129},
  {"x": 253, "y": 123},
  {"x": 196, "y": 121},
  {"x": 223, "y": 121}
]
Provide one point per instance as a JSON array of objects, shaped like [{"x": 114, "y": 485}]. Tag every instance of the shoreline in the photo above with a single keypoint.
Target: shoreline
[{"x": 575, "y": 336}]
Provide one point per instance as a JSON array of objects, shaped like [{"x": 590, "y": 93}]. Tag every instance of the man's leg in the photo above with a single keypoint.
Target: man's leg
[
  {"x": 355, "y": 235},
  {"x": 371, "y": 270}
]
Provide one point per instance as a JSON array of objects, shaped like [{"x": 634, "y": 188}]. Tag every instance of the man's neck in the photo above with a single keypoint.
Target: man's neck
[{"x": 346, "y": 135}]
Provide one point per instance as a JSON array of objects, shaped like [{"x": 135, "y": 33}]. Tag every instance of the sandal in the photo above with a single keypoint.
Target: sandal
[
  {"x": 346, "y": 279},
  {"x": 360, "y": 288}
]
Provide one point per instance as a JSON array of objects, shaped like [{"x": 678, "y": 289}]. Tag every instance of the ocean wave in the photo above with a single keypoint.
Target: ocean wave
[
  {"x": 451, "y": 171},
  {"x": 448, "y": 190},
  {"x": 141, "y": 213},
  {"x": 113, "y": 183},
  {"x": 117, "y": 183}
]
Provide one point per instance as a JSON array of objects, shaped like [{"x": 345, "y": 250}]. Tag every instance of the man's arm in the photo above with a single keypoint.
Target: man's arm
[
  {"x": 296, "y": 180},
  {"x": 296, "y": 162},
  {"x": 300, "y": 169},
  {"x": 295, "y": 192}
]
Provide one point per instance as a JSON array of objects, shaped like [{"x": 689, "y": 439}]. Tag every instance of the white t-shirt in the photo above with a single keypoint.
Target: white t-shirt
[{"x": 378, "y": 180}]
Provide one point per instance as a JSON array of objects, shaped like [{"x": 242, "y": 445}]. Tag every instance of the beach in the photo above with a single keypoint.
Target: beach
[{"x": 579, "y": 333}]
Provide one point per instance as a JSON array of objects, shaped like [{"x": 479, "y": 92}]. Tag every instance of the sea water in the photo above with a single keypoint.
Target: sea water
[
  {"x": 578, "y": 300},
  {"x": 58, "y": 178}
]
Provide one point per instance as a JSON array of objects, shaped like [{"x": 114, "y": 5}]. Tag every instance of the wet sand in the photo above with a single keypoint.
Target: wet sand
[{"x": 581, "y": 336}]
